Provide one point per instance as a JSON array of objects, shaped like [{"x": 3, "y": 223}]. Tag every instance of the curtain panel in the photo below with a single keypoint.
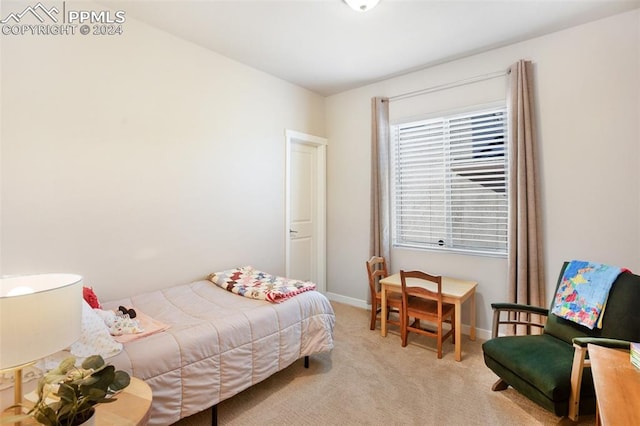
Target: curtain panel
[
  {"x": 526, "y": 282},
  {"x": 380, "y": 234}
]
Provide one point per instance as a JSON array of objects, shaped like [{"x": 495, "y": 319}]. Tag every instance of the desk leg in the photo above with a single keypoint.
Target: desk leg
[
  {"x": 472, "y": 311},
  {"x": 458, "y": 323},
  {"x": 383, "y": 311}
]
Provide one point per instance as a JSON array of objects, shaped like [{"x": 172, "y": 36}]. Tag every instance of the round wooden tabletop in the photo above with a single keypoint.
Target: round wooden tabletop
[{"x": 132, "y": 407}]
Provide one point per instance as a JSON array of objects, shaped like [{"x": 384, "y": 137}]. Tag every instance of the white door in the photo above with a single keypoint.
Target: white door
[
  {"x": 306, "y": 222},
  {"x": 302, "y": 226}
]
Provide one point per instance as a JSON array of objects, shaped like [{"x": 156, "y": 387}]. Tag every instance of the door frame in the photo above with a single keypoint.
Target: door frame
[{"x": 320, "y": 144}]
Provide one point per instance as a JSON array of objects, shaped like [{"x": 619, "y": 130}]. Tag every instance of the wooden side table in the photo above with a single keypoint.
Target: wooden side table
[
  {"x": 132, "y": 407},
  {"x": 617, "y": 384}
]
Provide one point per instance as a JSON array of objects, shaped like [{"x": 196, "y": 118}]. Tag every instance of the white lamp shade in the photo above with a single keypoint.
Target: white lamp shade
[
  {"x": 39, "y": 315},
  {"x": 362, "y": 5}
]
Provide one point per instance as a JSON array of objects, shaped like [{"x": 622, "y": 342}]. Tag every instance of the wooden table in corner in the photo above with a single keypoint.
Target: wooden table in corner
[
  {"x": 454, "y": 291},
  {"x": 617, "y": 384}
]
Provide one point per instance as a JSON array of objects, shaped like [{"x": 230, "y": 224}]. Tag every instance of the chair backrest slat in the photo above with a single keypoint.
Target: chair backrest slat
[
  {"x": 376, "y": 270},
  {"x": 421, "y": 291}
]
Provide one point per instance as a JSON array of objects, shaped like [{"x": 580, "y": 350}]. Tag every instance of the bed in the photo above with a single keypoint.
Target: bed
[{"x": 218, "y": 343}]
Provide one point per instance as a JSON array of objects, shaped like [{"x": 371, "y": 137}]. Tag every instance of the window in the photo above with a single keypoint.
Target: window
[{"x": 449, "y": 182}]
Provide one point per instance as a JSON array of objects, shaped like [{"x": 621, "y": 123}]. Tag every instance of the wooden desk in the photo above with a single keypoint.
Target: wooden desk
[
  {"x": 453, "y": 291},
  {"x": 617, "y": 384}
]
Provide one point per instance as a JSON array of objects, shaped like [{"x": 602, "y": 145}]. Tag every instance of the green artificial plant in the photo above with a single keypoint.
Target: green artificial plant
[{"x": 67, "y": 394}]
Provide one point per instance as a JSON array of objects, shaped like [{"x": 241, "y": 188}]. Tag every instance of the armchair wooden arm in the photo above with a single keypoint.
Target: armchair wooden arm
[
  {"x": 580, "y": 362},
  {"x": 517, "y": 314},
  {"x": 602, "y": 341}
]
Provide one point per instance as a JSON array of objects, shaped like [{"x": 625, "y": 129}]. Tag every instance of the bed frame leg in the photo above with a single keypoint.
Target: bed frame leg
[
  {"x": 306, "y": 361},
  {"x": 214, "y": 415}
]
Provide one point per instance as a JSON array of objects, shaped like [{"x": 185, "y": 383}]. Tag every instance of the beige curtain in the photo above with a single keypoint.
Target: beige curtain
[
  {"x": 526, "y": 262},
  {"x": 380, "y": 236}
]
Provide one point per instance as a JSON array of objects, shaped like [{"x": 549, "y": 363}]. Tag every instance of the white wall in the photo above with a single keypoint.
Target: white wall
[
  {"x": 142, "y": 161},
  {"x": 588, "y": 107}
]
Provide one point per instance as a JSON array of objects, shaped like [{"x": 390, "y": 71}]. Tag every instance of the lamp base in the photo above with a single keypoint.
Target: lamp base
[
  {"x": 17, "y": 389},
  {"x": 17, "y": 384}
]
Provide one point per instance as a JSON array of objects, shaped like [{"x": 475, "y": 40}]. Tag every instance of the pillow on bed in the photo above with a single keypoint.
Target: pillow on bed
[
  {"x": 91, "y": 298},
  {"x": 94, "y": 337}
]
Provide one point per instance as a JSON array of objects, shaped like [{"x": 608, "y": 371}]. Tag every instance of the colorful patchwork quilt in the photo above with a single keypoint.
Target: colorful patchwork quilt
[
  {"x": 249, "y": 282},
  {"x": 583, "y": 292}
]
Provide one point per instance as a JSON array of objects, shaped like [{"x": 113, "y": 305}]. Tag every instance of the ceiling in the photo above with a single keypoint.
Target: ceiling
[{"x": 327, "y": 47}]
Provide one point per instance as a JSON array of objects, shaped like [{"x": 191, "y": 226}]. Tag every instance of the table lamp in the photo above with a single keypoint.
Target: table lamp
[{"x": 39, "y": 315}]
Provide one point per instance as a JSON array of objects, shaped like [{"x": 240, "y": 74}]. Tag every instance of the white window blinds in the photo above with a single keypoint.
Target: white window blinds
[{"x": 449, "y": 182}]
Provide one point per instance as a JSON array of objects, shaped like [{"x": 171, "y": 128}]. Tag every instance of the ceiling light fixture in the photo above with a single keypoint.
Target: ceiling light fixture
[{"x": 362, "y": 5}]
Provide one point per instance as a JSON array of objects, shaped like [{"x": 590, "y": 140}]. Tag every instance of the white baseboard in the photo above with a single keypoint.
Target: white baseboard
[
  {"x": 481, "y": 334},
  {"x": 348, "y": 300}
]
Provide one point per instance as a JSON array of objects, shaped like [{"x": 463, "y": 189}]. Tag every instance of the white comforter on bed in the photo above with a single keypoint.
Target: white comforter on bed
[{"x": 218, "y": 344}]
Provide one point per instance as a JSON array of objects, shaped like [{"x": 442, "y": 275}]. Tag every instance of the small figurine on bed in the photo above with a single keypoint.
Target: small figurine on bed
[
  {"x": 131, "y": 312},
  {"x": 120, "y": 322}
]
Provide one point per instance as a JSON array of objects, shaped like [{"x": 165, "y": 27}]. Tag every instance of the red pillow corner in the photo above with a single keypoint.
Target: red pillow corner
[{"x": 90, "y": 297}]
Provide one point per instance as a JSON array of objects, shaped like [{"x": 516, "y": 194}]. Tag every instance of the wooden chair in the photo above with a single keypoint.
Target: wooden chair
[
  {"x": 423, "y": 304},
  {"x": 376, "y": 270}
]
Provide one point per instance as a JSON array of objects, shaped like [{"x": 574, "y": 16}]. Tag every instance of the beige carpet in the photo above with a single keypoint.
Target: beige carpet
[{"x": 371, "y": 380}]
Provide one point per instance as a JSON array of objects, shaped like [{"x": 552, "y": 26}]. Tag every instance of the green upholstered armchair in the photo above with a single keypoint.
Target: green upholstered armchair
[{"x": 551, "y": 368}]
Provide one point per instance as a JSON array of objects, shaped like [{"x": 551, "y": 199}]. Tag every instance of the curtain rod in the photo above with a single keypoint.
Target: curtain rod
[{"x": 448, "y": 85}]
